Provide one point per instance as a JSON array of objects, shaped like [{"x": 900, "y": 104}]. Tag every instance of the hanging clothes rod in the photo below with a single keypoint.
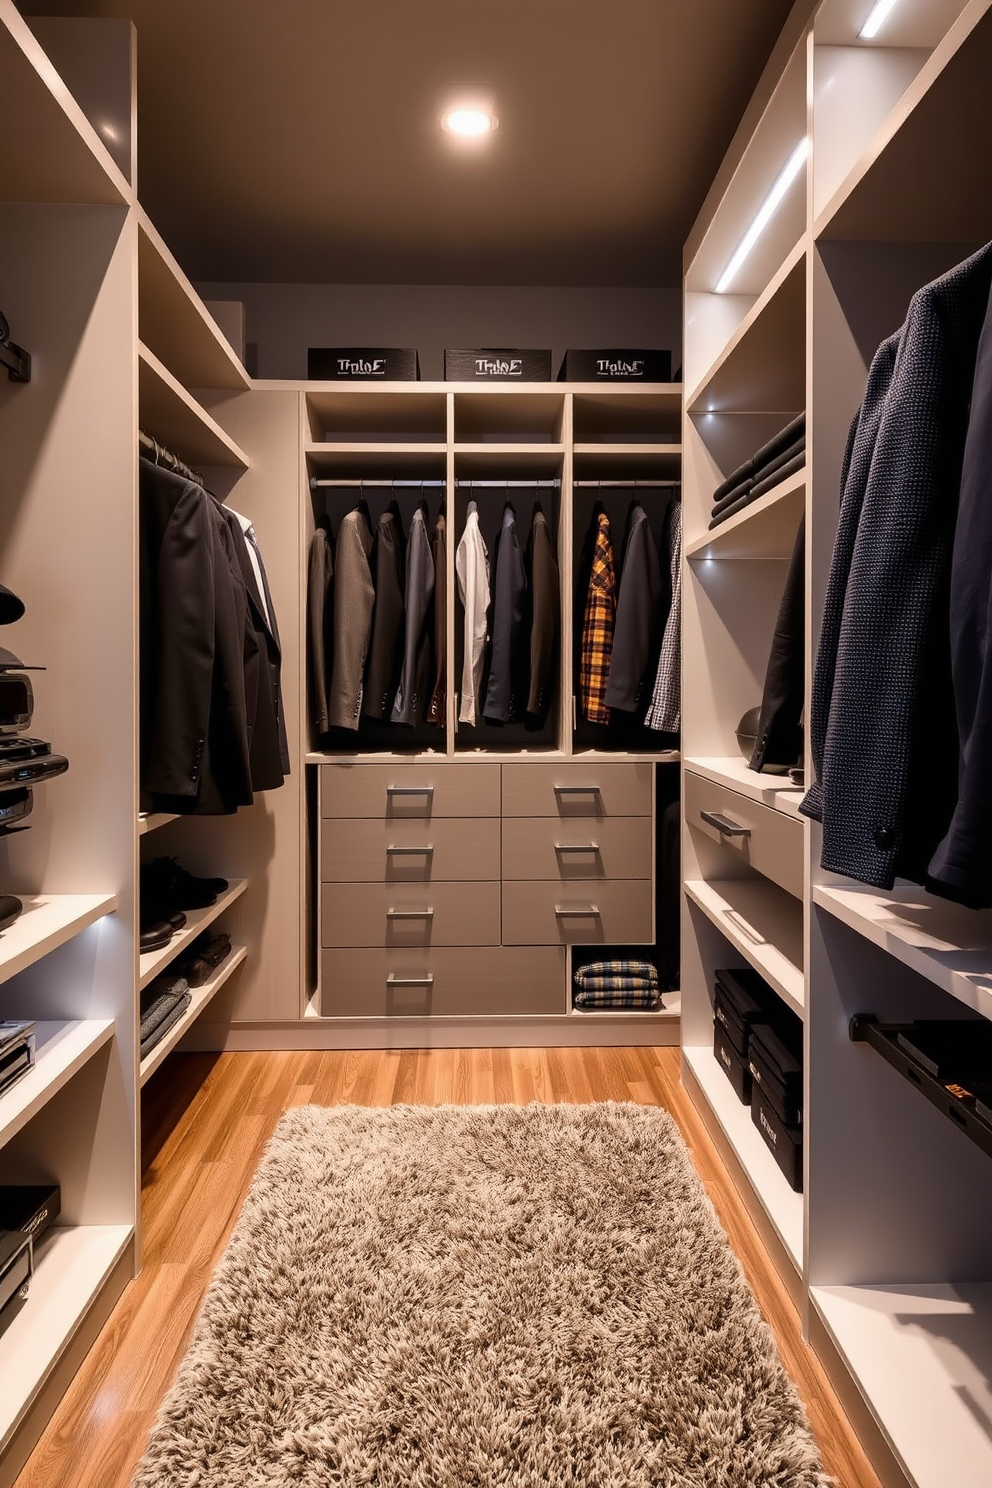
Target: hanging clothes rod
[
  {"x": 159, "y": 455},
  {"x": 414, "y": 485},
  {"x": 626, "y": 485}
]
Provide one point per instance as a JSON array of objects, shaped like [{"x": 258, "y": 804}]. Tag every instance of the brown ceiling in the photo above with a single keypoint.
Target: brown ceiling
[{"x": 298, "y": 140}]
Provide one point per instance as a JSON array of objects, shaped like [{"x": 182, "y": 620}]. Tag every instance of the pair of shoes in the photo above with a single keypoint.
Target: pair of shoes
[
  {"x": 164, "y": 882},
  {"x": 203, "y": 957},
  {"x": 157, "y": 929}
]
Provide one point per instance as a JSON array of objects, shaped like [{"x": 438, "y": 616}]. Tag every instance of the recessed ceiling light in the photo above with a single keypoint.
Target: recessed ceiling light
[{"x": 469, "y": 123}]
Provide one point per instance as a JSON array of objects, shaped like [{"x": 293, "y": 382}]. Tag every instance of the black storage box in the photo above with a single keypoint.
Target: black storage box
[
  {"x": 497, "y": 365},
  {"x": 741, "y": 999},
  {"x": 778, "y": 1072},
  {"x": 733, "y": 1066},
  {"x": 16, "y": 1267},
  {"x": 784, "y": 1142},
  {"x": 29, "y": 1207},
  {"x": 948, "y": 1048},
  {"x": 17, "y": 1050},
  {"x": 616, "y": 366},
  {"x": 362, "y": 364}
]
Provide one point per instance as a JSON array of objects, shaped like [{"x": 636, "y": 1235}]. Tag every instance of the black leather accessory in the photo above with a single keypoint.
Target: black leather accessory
[
  {"x": 203, "y": 958},
  {"x": 16, "y": 701},
  {"x": 11, "y": 608},
  {"x": 10, "y": 910}
]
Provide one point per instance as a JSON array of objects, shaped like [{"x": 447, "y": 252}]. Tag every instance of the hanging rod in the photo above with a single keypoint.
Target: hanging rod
[
  {"x": 368, "y": 485},
  {"x": 626, "y": 485},
  {"x": 13, "y": 357},
  {"x": 164, "y": 457}
]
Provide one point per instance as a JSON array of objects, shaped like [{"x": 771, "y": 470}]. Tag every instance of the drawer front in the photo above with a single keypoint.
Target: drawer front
[
  {"x": 367, "y": 851},
  {"x": 574, "y": 790},
  {"x": 542, "y": 913},
  {"x": 403, "y": 915},
  {"x": 381, "y": 984},
  {"x": 771, "y": 842},
  {"x": 613, "y": 847},
  {"x": 409, "y": 792}
]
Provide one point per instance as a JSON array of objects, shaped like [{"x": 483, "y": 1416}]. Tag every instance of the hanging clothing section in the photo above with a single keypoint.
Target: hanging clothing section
[
  {"x": 628, "y": 618},
  {"x": 376, "y": 616},
  {"x": 213, "y": 731},
  {"x": 901, "y": 716}
]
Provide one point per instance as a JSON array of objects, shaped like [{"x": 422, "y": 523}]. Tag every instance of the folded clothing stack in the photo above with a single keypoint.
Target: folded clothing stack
[
  {"x": 770, "y": 464},
  {"x": 163, "y": 1003},
  {"x": 616, "y": 984},
  {"x": 201, "y": 960}
]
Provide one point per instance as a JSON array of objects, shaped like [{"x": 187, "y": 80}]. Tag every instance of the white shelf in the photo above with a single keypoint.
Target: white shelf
[
  {"x": 71, "y": 1266},
  {"x": 172, "y": 415},
  {"x": 669, "y": 1012},
  {"x": 776, "y": 791},
  {"x": 392, "y": 459},
  {"x": 200, "y": 997},
  {"x": 60, "y": 1050},
  {"x": 48, "y": 921},
  {"x": 151, "y": 821},
  {"x": 618, "y": 461},
  {"x": 922, "y": 1356},
  {"x": 765, "y": 529},
  {"x": 946, "y": 943},
  {"x": 152, "y": 962},
  {"x": 765, "y": 924},
  {"x": 782, "y": 1204}
]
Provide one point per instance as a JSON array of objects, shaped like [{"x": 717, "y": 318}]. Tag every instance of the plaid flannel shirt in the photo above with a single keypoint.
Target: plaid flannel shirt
[{"x": 597, "y": 627}]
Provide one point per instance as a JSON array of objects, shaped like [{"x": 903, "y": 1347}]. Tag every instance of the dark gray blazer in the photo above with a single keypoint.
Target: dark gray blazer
[
  {"x": 437, "y": 709},
  {"x": 503, "y": 694},
  {"x": 320, "y": 622},
  {"x": 386, "y": 644},
  {"x": 354, "y": 597},
  {"x": 779, "y": 740},
  {"x": 637, "y": 609},
  {"x": 411, "y": 703},
  {"x": 545, "y": 608},
  {"x": 882, "y": 718},
  {"x": 268, "y": 754}
]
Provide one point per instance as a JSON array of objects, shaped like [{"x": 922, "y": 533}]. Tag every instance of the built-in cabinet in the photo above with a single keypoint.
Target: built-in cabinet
[{"x": 888, "y": 1249}]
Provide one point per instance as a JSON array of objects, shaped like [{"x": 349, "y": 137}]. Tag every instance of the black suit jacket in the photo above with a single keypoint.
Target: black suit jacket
[
  {"x": 266, "y": 728},
  {"x": 882, "y": 725},
  {"x": 320, "y": 623},
  {"x": 194, "y": 749},
  {"x": 382, "y": 672},
  {"x": 545, "y": 605},
  {"x": 504, "y": 698},
  {"x": 637, "y": 609},
  {"x": 779, "y": 740}
]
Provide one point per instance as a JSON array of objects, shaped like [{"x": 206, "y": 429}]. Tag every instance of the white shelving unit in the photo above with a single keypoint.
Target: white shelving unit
[
  {"x": 47, "y": 922},
  {"x": 60, "y": 1050},
  {"x": 197, "y": 920},
  {"x": 201, "y": 996},
  {"x": 764, "y": 924}
]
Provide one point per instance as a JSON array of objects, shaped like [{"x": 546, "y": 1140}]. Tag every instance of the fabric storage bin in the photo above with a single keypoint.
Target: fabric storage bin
[
  {"x": 616, "y": 366},
  {"x": 742, "y": 999},
  {"x": 734, "y": 1067},
  {"x": 362, "y": 364},
  {"x": 777, "y": 1072},
  {"x": 784, "y": 1142}
]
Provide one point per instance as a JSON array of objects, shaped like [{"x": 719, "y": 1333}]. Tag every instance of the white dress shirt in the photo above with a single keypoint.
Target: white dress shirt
[{"x": 472, "y": 572}]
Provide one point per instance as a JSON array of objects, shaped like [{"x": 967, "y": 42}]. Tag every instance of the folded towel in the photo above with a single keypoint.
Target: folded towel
[
  {"x": 158, "y": 1000},
  {"x": 767, "y": 452},
  {"x": 643, "y": 971},
  {"x": 148, "y": 1042},
  {"x": 645, "y": 999}
]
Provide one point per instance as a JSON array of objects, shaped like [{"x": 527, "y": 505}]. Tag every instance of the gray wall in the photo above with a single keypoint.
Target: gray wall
[{"x": 282, "y": 320}]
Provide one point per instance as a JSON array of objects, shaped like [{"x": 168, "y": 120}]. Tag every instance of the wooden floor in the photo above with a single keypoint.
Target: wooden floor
[{"x": 206, "y": 1120}]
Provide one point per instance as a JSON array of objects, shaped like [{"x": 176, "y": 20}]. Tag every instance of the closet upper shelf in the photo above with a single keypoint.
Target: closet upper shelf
[
  {"x": 173, "y": 416},
  {"x": 59, "y": 155},
  {"x": 400, "y": 461},
  {"x": 949, "y": 945},
  {"x": 173, "y": 322},
  {"x": 48, "y": 921}
]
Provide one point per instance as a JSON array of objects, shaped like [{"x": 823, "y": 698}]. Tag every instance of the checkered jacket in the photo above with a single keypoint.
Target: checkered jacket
[{"x": 597, "y": 627}]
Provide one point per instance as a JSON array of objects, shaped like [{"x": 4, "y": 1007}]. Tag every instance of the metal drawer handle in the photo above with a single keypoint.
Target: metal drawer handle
[
  {"x": 409, "y": 790},
  {"x": 724, "y": 825},
  {"x": 571, "y": 914},
  {"x": 577, "y": 790},
  {"x": 410, "y": 914},
  {"x": 577, "y": 847},
  {"x": 393, "y": 980},
  {"x": 428, "y": 847}
]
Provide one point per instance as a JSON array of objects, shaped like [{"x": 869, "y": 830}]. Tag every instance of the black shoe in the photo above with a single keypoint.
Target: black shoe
[
  {"x": 154, "y": 936},
  {"x": 164, "y": 881}
]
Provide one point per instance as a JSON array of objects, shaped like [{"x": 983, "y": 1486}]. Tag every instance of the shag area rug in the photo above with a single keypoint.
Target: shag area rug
[{"x": 479, "y": 1297}]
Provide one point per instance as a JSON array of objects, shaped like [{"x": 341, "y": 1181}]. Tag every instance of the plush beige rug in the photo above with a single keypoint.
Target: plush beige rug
[{"x": 479, "y": 1297}]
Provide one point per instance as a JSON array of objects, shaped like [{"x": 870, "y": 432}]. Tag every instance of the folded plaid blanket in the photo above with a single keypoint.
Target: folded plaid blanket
[
  {"x": 643, "y": 998},
  {"x": 149, "y": 1041},
  {"x": 599, "y": 973},
  {"x": 617, "y": 984}
]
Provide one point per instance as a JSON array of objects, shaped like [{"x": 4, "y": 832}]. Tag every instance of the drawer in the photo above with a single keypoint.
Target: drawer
[
  {"x": 542, "y": 913},
  {"x": 501, "y": 979},
  {"x": 613, "y": 847},
  {"x": 567, "y": 790},
  {"x": 395, "y": 792},
  {"x": 367, "y": 851},
  {"x": 770, "y": 841},
  {"x": 446, "y": 914}
]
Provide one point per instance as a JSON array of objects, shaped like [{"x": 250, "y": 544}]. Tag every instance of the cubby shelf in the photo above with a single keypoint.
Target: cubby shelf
[
  {"x": 782, "y": 1204},
  {"x": 921, "y": 1355},
  {"x": 61, "y": 1048},
  {"x": 670, "y": 1011},
  {"x": 48, "y": 921},
  {"x": 763, "y": 923},
  {"x": 200, "y": 997},
  {"x": 153, "y": 962},
  {"x": 172, "y": 415},
  {"x": 175, "y": 325},
  {"x": 949, "y": 945},
  {"x": 72, "y": 1263},
  {"x": 514, "y": 461},
  {"x": 766, "y": 529},
  {"x": 151, "y": 821},
  {"x": 732, "y": 771},
  {"x": 613, "y": 461},
  {"x": 400, "y": 460}
]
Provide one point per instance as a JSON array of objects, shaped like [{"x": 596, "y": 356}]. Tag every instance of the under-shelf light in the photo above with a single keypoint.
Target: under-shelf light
[
  {"x": 876, "y": 19},
  {"x": 764, "y": 214}
]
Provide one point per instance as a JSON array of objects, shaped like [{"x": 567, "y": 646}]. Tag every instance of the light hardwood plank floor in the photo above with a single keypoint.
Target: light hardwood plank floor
[{"x": 206, "y": 1120}]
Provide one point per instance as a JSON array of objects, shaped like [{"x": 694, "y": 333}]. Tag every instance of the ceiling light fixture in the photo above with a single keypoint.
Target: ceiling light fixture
[
  {"x": 876, "y": 19},
  {"x": 764, "y": 214},
  {"x": 469, "y": 123}
]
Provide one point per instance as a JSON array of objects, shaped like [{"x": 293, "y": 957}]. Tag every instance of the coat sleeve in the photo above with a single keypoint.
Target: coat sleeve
[{"x": 320, "y": 572}]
